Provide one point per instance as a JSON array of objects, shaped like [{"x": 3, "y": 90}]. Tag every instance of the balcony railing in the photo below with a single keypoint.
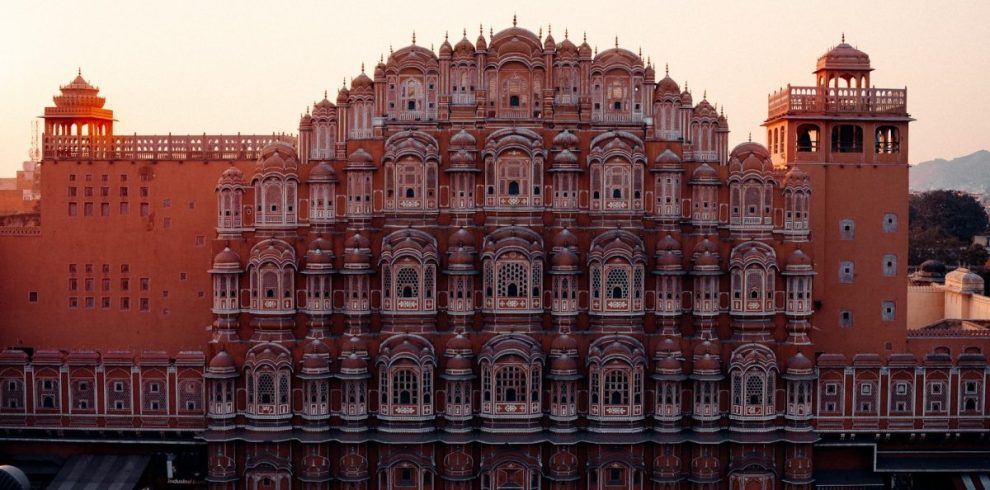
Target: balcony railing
[
  {"x": 837, "y": 100},
  {"x": 159, "y": 147},
  {"x": 610, "y": 117},
  {"x": 462, "y": 99}
]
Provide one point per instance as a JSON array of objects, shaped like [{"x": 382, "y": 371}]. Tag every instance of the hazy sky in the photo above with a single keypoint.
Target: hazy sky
[{"x": 253, "y": 67}]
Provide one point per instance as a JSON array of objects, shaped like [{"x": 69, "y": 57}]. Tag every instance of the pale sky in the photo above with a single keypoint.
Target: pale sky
[{"x": 190, "y": 67}]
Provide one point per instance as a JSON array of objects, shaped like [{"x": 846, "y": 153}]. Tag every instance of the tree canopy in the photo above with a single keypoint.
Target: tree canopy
[{"x": 942, "y": 225}]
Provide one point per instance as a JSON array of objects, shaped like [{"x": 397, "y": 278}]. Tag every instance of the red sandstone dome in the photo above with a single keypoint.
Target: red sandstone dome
[
  {"x": 563, "y": 343},
  {"x": 798, "y": 261},
  {"x": 667, "y": 159},
  {"x": 222, "y": 362},
  {"x": 231, "y": 176},
  {"x": 461, "y": 238},
  {"x": 359, "y": 158},
  {"x": 460, "y": 257},
  {"x": 563, "y": 364},
  {"x": 844, "y": 57},
  {"x": 706, "y": 363},
  {"x": 566, "y": 139},
  {"x": 226, "y": 257},
  {"x": 668, "y": 244},
  {"x": 459, "y": 363},
  {"x": 353, "y": 364},
  {"x": 463, "y": 138},
  {"x": 322, "y": 172},
  {"x": 565, "y": 259},
  {"x": 667, "y": 87},
  {"x": 564, "y": 239},
  {"x": 704, "y": 173},
  {"x": 669, "y": 365},
  {"x": 459, "y": 344},
  {"x": 565, "y": 158},
  {"x": 799, "y": 364}
]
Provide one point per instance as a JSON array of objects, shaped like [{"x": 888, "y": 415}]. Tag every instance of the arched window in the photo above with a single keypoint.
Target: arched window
[
  {"x": 888, "y": 140},
  {"x": 408, "y": 266},
  {"x": 411, "y": 95},
  {"x": 511, "y": 376},
  {"x": 617, "y": 265},
  {"x": 405, "y": 366},
  {"x": 808, "y": 136},
  {"x": 752, "y": 267},
  {"x": 847, "y": 138},
  {"x": 753, "y": 370},
  {"x": 615, "y": 387}
]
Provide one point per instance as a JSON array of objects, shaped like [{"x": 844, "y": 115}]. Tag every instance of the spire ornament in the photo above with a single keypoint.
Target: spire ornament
[{"x": 513, "y": 20}]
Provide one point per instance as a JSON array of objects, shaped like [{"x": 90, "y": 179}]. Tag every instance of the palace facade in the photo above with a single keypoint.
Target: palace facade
[{"x": 515, "y": 263}]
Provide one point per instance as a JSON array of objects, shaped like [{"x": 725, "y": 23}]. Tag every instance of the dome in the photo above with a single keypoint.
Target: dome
[
  {"x": 353, "y": 364},
  {"x": 565, "y": 158},
  {"x": 459, "y": 363},
  {"x": 462, "y": 158},
  {"x": 704, "y": 173},
  {"x": 342, "y": 95},
  {"x": 686, "y": 99},
  {"x": 798, "y": 261},
  {"x": 359, "y": 156},
  {"x": 461, "y": 238},
  {"x": 706, "y": 246},
  {"x": 795, "y": 177},
  {"x": 566, "y": 48},
  {"x": 481, "y": 43},
  {"x": 222, "y": 361},
  {"x": 669, "y": 365},
  {"x": 314, "y": 363},
  {"x": 668, "y": 244},
  {"x": 563, "y": 343},
  {"x": 963, "y": 280},
  {"x": 799, "y": 364},
  {"x": 706, "y": 363},
  {"x": 667, "y": 87},
  {"x": 273, "y": 162},
  {"x": 563, "y": 364},
  {"x": 445, "y": 48},
  {"x": 464, "y": 47},
  {"x": 357, "y": 252},
  {"x": 667, "y": 158},
  {"x": 322, "y": 172},
  {"x": 844, "y": 57},
  {"x": 459, "y": 344},
  {"x": 584, "y": 50},
  {"x": 231, "y": 176},
  {"x": 933, "y": 266},
  {"x": 565, "y": 259},
  {"x": 354, "y": 344},
  {"x": 317, "y": 347},
  {"x": 324, "y": 105},
  {"x": 227, "y": 258},
  {"x": 565, "y": 139},
  {"x": 362, "y": 83},
  {"x": 356, "y": 241},
  {"x": 705, "y": 109},
  {"x": 564, "y": 239},
  {"x": 460, "y": 258},
  {"x": 315, "y": 258},
  {"x": 742, "y": 150},
  {"x": 463, "y": 138}
]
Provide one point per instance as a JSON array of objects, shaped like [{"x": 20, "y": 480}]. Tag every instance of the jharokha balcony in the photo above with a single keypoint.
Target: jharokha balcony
[
  {"x": 836, "y": 100},
  {"x": 158, "y": 147}
]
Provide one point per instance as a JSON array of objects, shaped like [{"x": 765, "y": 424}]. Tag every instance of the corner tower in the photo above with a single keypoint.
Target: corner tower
[{"x": 851, "y": 139}]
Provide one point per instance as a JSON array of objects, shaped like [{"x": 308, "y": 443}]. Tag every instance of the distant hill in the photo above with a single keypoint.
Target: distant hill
[{"x": 970, "y": 173}]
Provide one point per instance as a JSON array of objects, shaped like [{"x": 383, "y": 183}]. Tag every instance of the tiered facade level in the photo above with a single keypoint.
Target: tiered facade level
[{"x": 509, "y": 264}]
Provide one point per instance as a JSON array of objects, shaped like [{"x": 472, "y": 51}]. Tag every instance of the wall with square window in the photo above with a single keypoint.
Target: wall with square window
[
  {"x": 847, "y": 229},
  {"x": 847, "y": 271}
]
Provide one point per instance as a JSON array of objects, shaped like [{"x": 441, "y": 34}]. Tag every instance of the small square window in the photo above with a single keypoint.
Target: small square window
[
  {"x": 118, "y": 386},
  {"x": 865, "y": 389},
  {"x": 32, "y": 297},
  {"x": 901, "y": 388},
  {"x": 887, "y": 310},
  {"x": 890, "y": 222},
  {"x": 970, "y": 387},
  {"x": 847, "y": 229},
  {"x": 831, "y": 388},
  {"x": 154, "y": 388}
]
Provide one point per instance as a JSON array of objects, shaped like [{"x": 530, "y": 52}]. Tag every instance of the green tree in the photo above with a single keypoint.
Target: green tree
[{"x": 942, "y": 225}]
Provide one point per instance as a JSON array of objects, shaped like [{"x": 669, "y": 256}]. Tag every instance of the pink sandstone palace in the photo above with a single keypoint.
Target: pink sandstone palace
[{"x": 516, "y": 263}]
